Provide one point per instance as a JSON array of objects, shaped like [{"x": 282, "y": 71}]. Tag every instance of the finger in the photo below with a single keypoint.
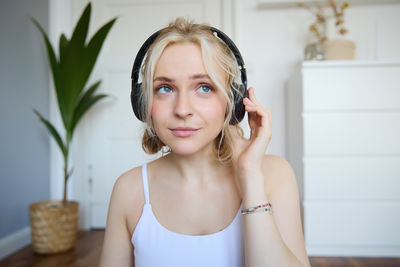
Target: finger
[
  {"x": 251, "y": 106},
  {"x": 247, "y": 102},
  {"x": 258, "y": 111},
  {"x": 252, "y": 96}
]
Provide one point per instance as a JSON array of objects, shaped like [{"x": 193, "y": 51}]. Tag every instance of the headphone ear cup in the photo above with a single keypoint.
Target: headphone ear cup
[
  {"x": 239, "y": 93},
  {"x": 136, "y": 101}
]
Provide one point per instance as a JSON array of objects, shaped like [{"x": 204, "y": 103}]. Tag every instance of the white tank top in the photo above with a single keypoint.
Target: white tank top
[{"x": 156, "y": 246}]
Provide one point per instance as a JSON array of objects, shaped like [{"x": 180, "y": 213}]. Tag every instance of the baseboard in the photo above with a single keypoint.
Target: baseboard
[
  {"x": 14, "y": 242},
  {"x": 345, "y": 251}
]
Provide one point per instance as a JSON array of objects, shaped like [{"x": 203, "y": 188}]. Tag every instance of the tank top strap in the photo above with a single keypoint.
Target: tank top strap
[{"x": 145, "y": 183}]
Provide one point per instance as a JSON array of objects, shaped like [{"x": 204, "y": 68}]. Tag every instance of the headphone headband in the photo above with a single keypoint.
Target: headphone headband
[{"x": 141, "y": 54}]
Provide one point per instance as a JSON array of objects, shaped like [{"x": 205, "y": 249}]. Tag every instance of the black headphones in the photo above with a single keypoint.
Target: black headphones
[{"x": 239, "y": 92}]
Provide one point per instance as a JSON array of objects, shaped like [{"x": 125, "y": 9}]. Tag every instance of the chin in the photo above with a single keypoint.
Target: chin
[
  {"x": 187, "y": 148},
  {"x": 184, "y": 150}
]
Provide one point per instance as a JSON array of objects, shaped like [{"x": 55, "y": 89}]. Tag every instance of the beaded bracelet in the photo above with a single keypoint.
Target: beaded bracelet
[{"x": 265, "y": 207}]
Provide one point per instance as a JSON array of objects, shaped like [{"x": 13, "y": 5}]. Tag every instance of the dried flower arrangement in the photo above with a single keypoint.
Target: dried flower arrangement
[
  {"x": 318, "y": 27},
  {"x": 338, "y": 14}
]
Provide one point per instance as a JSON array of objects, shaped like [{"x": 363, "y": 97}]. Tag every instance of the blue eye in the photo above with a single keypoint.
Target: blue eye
[
  {"x": 205, "y": 89},
  {"x": 164, "y": 90}
]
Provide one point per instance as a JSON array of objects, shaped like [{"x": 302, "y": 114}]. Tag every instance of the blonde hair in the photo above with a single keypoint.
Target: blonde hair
[{"x": 213, "y": 50}]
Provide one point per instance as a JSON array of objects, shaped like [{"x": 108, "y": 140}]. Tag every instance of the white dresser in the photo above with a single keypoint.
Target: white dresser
[{"x": 343, "y": 141}]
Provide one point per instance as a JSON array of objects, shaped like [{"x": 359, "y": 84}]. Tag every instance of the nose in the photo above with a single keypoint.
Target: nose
[{"x": 183, "y": 105}]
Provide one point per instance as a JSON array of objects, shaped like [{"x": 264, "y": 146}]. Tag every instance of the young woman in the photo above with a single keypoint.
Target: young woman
[{"x": 213, "y": 198}]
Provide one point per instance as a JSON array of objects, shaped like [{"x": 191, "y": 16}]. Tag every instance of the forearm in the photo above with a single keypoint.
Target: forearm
[{"x": 263, "y": 243}]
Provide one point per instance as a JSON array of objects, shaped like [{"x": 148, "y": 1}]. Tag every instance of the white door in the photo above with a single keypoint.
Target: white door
[{"x": 112, "y": 134}]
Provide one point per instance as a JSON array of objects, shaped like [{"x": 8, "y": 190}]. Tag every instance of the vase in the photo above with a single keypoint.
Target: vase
[
  {"x": 54, "y": 226},
  {"x": 339, "y": 49},
  {"x": 314, "y": 51}
]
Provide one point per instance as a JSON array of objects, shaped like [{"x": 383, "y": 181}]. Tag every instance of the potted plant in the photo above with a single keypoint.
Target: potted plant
[{"x": 54, "y": 223}]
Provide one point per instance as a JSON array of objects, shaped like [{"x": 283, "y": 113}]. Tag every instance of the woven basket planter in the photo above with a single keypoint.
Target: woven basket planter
[{"x": 53, "y": 226}]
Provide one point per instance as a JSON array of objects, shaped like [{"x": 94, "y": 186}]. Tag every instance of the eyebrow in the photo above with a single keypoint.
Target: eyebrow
[
  {"x": 200, "y": 76},
  {"x": 193, "y": 77}
]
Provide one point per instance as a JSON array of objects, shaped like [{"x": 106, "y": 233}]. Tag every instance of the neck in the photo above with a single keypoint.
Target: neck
[{"x": 197, "y": 169}]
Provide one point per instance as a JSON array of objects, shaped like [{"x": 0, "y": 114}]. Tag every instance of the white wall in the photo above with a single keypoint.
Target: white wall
[{"x": 272, "y": 43}]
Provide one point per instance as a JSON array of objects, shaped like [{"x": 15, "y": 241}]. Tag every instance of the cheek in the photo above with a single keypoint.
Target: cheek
[
  {"x": 222, "y": 105},
  {"x": 155, "y": 110},
  {"x": 157, "y": 116},
  {"x": 215, "y": 109}
]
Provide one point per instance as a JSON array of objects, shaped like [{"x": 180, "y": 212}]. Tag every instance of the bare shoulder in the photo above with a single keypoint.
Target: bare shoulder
[
  {"x": 128, "y": 184},
  {"x": 278, "y": 174},
  {"x": 128, "y": 197},
  {"x": 125, "y": 206}
]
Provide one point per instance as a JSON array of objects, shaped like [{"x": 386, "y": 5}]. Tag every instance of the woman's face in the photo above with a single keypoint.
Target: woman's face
[{"x": 188, "y": 110}]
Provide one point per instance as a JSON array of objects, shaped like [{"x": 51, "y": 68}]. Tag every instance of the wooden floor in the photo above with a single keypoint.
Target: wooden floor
[
  {"x": 85, "y": 254},
  {"x": 88, "y": 249}
]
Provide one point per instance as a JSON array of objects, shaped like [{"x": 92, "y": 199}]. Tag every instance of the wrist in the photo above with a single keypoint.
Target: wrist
[
  {"x": 253, "y": 196},
  {"x": 252, "y": 184},
  {"x": 249, "y": 174},
  {"x": 254, "y": 200},
  {"x": 249, "y": 163}
]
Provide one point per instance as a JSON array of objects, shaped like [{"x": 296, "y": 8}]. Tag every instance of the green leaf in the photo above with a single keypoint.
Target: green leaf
[
  {"x": 87, "y": 101},
  {"x": 81, "y": 28},
  {"x": 72, "y": 55},
  {"x": 55, "y": 70},
  {"x": 91, "y": 101},
  {"x": 94, "y": 46},
  {"x": 63, "y": 45},
  {"x": 78, "y": 63},
  {"x": 75, "y": 76},
  {"x": 53, "y": 132}
]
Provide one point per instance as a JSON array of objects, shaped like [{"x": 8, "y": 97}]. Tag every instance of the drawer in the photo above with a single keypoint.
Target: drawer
[
  {"x": 351, "y": 133},
  {"x": 352, "y": 178},
  {"x": 361, "y": 224},
  {"x": 351, "y": 88}
]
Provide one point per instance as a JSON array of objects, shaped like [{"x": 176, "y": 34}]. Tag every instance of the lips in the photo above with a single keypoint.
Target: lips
[{"x": 184, "y": 131}]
